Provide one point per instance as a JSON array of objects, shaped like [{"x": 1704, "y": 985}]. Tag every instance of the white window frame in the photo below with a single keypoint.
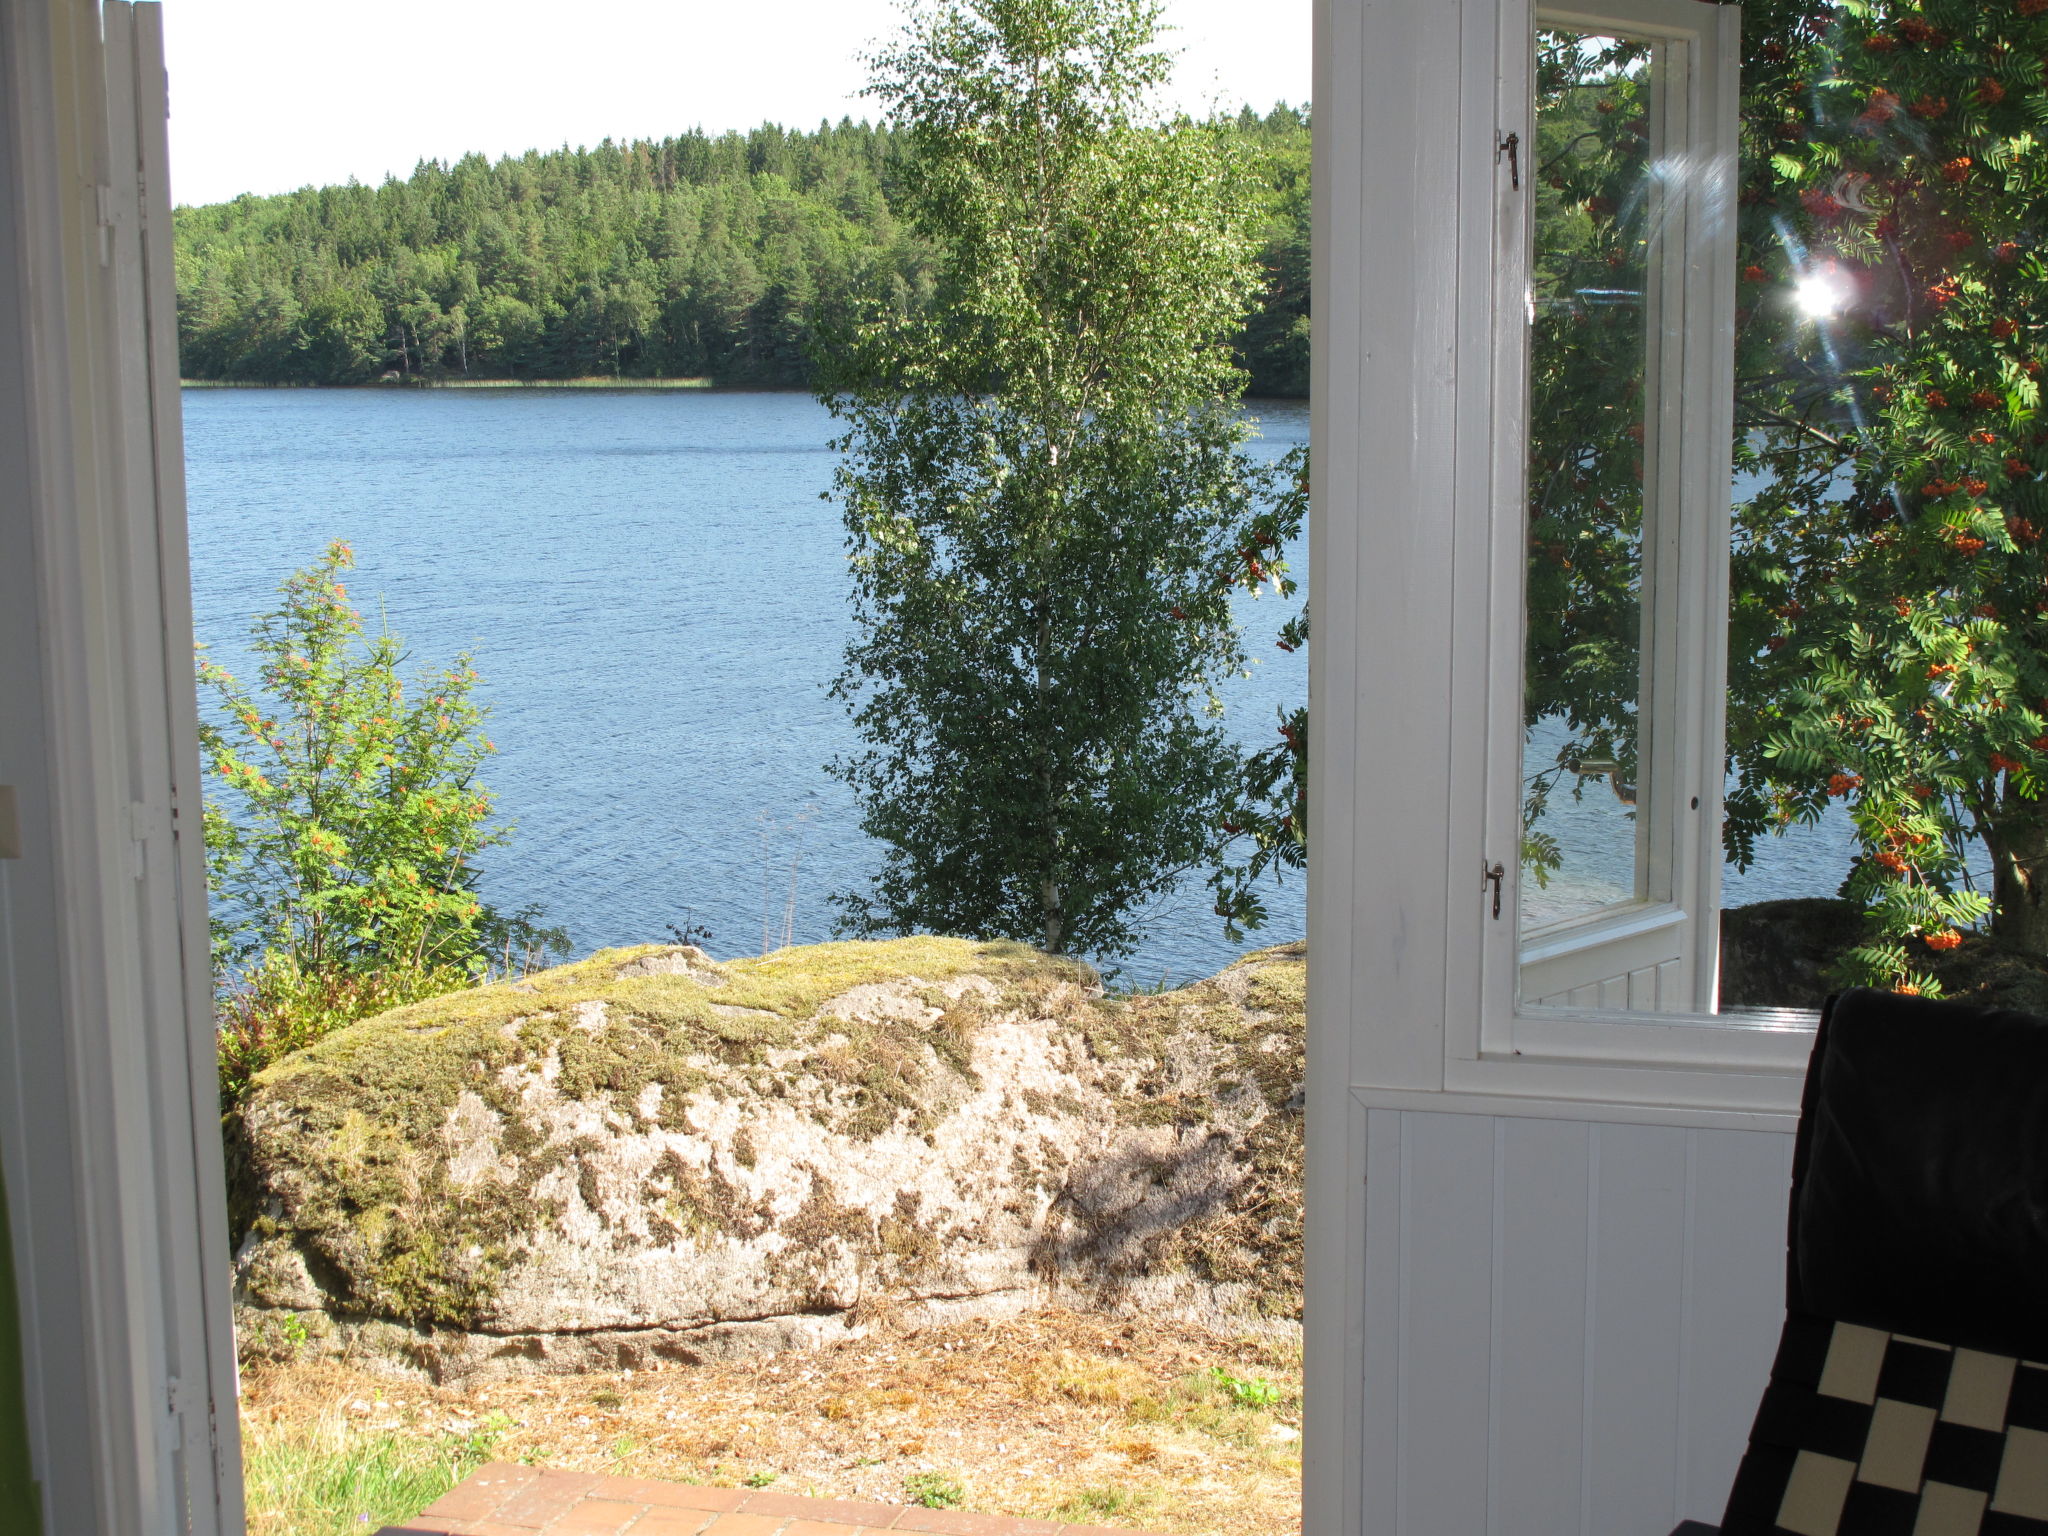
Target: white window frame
[
  {"x": 1680, "y": 1051},
  {"x": 1685, "y": 580},
  {"x": 1420, "y": 438}
]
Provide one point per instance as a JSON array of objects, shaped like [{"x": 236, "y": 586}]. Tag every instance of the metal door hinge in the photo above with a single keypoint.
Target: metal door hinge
[
  {"x": 1493, "y": 874},
  {"x": 146, "y": 823},
  {"x": 103, "y": 217}
]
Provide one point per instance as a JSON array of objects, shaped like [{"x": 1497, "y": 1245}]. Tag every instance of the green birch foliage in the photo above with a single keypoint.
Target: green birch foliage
[
  {"x": 1044, "y": 482},
  {"x": 343, "y": 828}
]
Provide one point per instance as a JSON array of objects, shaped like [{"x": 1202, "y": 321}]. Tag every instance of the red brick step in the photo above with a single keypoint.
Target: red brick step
[{"x": 506, "y": 1500}]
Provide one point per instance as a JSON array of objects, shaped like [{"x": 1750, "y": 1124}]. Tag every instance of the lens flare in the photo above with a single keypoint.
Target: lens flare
[{"x": 1821, "y": 295}]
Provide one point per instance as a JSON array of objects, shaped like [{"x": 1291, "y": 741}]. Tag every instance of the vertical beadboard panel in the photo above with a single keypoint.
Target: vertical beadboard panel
[
  {"x": 1540, "y": 1274},
  {"x": 1736, "y": 1280},
  {"x": 1567, "y": 1324},
  {"x": 1447, "y": 1199},
  {"x": 1379, "y": 1447},
  {"x": 1634, "y": 1310}
]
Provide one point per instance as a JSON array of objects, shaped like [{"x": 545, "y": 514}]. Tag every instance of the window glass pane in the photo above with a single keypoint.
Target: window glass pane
[{"x": 1597, "y": 206}]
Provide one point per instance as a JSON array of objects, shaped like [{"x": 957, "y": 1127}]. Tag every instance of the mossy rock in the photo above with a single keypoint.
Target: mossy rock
[{"x": 653, "y": 1152}]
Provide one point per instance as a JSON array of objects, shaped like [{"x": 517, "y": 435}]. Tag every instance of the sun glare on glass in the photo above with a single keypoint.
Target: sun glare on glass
[{"x": 1820, "y": 295}]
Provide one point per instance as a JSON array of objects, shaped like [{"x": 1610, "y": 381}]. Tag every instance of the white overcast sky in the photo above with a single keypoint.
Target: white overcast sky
[{"x": 268, "y": 95}]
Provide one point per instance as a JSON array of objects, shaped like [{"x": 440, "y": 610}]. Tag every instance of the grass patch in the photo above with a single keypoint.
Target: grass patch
[
  {"x": 328, "y": 1476},
  {"x": 1093, "y": 1504},
  {"x": 934, "y": 1490}
]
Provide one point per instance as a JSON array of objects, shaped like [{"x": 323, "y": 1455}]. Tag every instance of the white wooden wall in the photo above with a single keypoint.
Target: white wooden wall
[{"x": 1567, "y": 1324}]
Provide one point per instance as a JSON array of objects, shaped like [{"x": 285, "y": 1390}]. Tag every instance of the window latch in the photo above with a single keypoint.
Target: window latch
[
  {"x": 1493, "y": 875},
  {"x": 1511, "y": 146}
]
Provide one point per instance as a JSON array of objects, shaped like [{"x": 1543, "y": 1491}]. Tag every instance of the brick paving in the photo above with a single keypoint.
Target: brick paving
[{"x": 506, "y": 1500}]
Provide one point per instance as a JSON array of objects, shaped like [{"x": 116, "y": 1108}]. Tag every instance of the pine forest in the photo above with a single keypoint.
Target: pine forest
[{"x": 715, "y": 258}]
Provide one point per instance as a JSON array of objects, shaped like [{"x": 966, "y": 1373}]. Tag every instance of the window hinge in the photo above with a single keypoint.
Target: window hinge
[
  {"x": 1510, "y": 145},
  {"x": 103, "y": 217},
  {"x": 1493, "y": 874},
  {"x": 145, "y": 822}
]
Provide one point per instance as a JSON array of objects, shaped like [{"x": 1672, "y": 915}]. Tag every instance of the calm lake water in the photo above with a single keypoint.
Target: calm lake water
[{"x": 656, "y": 598}]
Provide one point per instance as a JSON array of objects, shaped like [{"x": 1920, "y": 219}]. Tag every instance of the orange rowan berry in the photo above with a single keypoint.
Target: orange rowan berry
[
  {"x": 2004, "y": 327},
  {"x": 1948, "y": 938}
]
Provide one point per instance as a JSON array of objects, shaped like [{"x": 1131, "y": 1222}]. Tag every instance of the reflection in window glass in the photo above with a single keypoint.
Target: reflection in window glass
[{"x": 1596, "y": 208}]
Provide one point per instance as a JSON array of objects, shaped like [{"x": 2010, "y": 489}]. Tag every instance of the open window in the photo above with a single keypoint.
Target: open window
[
  {"x": 1610, "y": 518},
  {"x": 1624, "y": 242}
]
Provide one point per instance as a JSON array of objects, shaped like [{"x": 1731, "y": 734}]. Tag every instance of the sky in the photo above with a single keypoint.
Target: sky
[{"x": 269, "y": 95}]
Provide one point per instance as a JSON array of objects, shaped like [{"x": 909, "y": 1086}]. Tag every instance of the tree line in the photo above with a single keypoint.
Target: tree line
[{"x": 696, "y": 256}]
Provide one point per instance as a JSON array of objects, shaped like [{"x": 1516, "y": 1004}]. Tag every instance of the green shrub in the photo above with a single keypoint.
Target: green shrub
[{"x": 342, "y": 833}]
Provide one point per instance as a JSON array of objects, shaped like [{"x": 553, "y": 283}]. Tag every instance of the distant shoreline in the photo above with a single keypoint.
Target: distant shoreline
[
  {"x": 601, "y": 381},
  {"x": 709, "y": 386}
]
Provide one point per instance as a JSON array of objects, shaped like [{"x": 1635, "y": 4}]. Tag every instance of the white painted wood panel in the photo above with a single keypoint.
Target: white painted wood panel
[
  {"x": 1634, "y": 1323},
  {"x": 1541, "y": 1267},
  {"x": 1568, "y": 1324},
  {"x": 1446, "y": 1254}
]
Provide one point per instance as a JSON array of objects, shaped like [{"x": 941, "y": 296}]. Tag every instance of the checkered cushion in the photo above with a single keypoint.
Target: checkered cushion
[{"x": 1864, "y": 1433}]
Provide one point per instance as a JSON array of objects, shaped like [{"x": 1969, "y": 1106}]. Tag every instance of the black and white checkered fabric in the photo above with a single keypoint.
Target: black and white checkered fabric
[{"x": 1865, "y": 1433}]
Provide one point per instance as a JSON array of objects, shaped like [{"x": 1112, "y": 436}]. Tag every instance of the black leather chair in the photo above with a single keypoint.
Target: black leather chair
[{"x": 1909, "y": 1396}]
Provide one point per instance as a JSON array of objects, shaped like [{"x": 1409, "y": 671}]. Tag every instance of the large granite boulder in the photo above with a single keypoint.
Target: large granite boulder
[{"x": 650, "y": 1154}]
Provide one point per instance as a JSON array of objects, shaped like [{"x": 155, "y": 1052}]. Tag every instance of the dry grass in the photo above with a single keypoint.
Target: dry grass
[{"x": 1058, "y": 1415}]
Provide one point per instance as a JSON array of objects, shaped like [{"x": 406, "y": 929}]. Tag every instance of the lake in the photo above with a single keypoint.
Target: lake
[{"x": 656, "y": 598}]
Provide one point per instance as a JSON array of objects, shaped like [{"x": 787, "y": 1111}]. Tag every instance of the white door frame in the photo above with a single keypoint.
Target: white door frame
[{"x": 108, "y": 1105}]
